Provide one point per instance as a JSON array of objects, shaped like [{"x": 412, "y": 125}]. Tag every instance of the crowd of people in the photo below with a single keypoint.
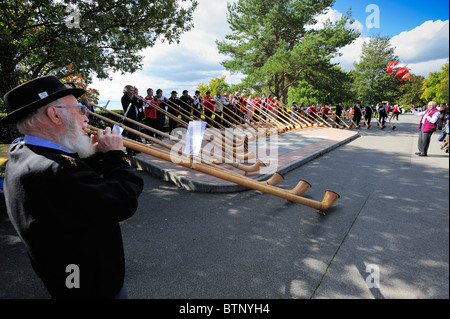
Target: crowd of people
[{"x": 225, "y": 110}]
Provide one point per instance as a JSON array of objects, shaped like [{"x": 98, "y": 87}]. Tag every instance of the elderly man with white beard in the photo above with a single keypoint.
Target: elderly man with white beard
[{"x": 66, "y": 192}]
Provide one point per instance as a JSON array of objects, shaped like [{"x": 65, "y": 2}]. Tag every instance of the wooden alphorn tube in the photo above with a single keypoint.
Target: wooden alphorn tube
[
  {"x": 337, "y": 125},
  {"x": 224, "y": 148},
  {"x": 328, "y": 200},
  {"x": 281, "y": 128},
  {"x": 288, "y": 117}
]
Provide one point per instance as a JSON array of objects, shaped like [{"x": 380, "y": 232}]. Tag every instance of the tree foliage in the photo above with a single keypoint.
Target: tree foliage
[
  {"x": 410, "y": 92},
  {"x": 272, "y": 44},
  {"x": 213, "y": 86},
  {"x": 372, "y": 84},
  {"x": 436, "y": 86},
  {"x": 96, "y": 37},
  {"x": 329, "y": 87}
]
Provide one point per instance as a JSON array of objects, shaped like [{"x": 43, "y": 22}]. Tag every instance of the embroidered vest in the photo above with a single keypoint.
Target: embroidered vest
[{"x": 428, "y": 126}]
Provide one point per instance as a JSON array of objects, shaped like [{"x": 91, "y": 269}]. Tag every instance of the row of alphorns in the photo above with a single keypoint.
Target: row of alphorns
[
  {"x": 212, "y": 168},
  {"x": 353, "y": 124}
]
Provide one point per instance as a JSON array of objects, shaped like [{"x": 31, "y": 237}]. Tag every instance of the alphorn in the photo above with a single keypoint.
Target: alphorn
[
  {"x": 183, "y": 123},
  {"x": 282, "y": 119},
  {"x": 303, "y": 119},
  {"x": 308, "y": 118},
  {"x": 280, "y": 128},
  {"x": 262, "y": 123},
  {"x": 251, "y": 120},
  {"x": 246, "y": 168},
  {"x": 240, "y": 126},
  {"x": 326, "y": 115},
  {"x": 328, "y": 200},
  {"x": 368, "y": 126},
  {"x": 379, "y": 123},
  {"x": 337, "y": 125},
  {"x": 345, "y": 123},
  {"x": 321, "y": 120},
  {"x": 276, "y": 120},
  {"x": 237, "y": 116},
  {"x": 213, "y": 140},
  {"x": 389, "y": 118},
  {"x": 249, "y": 135},
  {"x": 270, "y": 125},
  {"x": 301, "y": 187},
  {"x": 356, "y": 126},
  {"x": 286, "y": 115}
]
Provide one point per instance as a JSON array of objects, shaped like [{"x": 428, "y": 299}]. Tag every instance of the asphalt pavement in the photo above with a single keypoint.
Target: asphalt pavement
[{"x": 386, "y": 237}]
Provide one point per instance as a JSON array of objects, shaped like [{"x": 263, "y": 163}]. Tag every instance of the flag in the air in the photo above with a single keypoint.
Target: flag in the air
[
  {"x": 402, "y": 71},
  {"x": 391, "y": 66},
  {"x": 406, "y": 76}
]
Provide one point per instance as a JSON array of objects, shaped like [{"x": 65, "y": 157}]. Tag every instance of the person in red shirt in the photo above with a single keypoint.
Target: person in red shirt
[
  {"x": 150, "y": 118},
  {"x": 312, "y": 110},
  {"x": 325, "y": 111},
  {"x": 396, "y": 111},
  {"x": 208, "y": 104}
]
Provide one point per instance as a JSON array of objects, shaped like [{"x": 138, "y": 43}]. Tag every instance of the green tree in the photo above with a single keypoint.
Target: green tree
[
  {"x": 410, "y": 92},
  {"x": 332, "y": 86},
  {"x": 213, "y": 86},
  {"x": 272, "y": 44},
  {"x": 66, "y": 37},
  {"x": 435, "y": 86},
  {"x": 371, "y": 82}
]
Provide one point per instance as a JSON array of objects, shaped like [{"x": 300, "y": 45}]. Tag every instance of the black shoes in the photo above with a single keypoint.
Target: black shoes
[{"x": 420, "y": 154}]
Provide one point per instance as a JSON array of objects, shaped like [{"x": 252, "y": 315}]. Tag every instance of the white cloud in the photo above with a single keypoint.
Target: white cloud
[
  {"x": 424, "y": 46},
  {"x": 178, "y": 66},
  {"x": 424, "y": 49},
  {"x": 333, "y": 15},
  {"x": 351, "y": 53},
  {"x": 196, "y": 59}
]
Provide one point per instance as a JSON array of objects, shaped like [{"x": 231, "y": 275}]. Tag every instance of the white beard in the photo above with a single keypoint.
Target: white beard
[{"x": 75, "y": 139}]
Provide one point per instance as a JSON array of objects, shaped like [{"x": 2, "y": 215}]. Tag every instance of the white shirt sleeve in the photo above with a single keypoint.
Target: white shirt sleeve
[{"x": 433, "y": 119}]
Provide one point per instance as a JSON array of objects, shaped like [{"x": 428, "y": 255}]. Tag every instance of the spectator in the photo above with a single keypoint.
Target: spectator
[{"x": 427, "y": 126}]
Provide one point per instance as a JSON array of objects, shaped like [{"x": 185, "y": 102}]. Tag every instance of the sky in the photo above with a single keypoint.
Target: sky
[{"x": 419, "y": 32}]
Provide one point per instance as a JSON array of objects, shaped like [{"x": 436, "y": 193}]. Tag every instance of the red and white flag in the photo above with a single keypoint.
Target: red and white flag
[
  {"x": 391, "y": 66},
  {"x": 402, "y": 71},
  {"x": 406, "y": 76}
]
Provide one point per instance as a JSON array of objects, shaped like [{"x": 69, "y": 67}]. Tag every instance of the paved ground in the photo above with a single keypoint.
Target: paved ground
[{"x": 392, "y": 217}]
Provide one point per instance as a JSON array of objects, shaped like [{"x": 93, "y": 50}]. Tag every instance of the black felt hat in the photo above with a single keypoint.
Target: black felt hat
[{"x": 28, "y": 97}]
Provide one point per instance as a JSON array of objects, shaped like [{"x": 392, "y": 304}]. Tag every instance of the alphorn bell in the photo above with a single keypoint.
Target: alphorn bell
[
  {"x": 379, "y": 124},
  {"x": 389, "y": 118},
  {"x": 357, "y": 126},
  {"x": 336, "y": 124},
  {"x": 368, "y": 126},
  {"x": 328, "y": 200},
  {"x": 342, "y": 120}
]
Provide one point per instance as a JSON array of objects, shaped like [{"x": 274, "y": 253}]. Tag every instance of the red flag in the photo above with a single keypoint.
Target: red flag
[
  {"x": 406, "y": 76},
  {"x": 391, "y": 66},
  {"x": 402, "y": 71}
]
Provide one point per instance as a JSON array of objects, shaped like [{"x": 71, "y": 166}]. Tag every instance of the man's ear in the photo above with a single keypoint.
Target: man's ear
[{"x": 53, "y": 115}]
